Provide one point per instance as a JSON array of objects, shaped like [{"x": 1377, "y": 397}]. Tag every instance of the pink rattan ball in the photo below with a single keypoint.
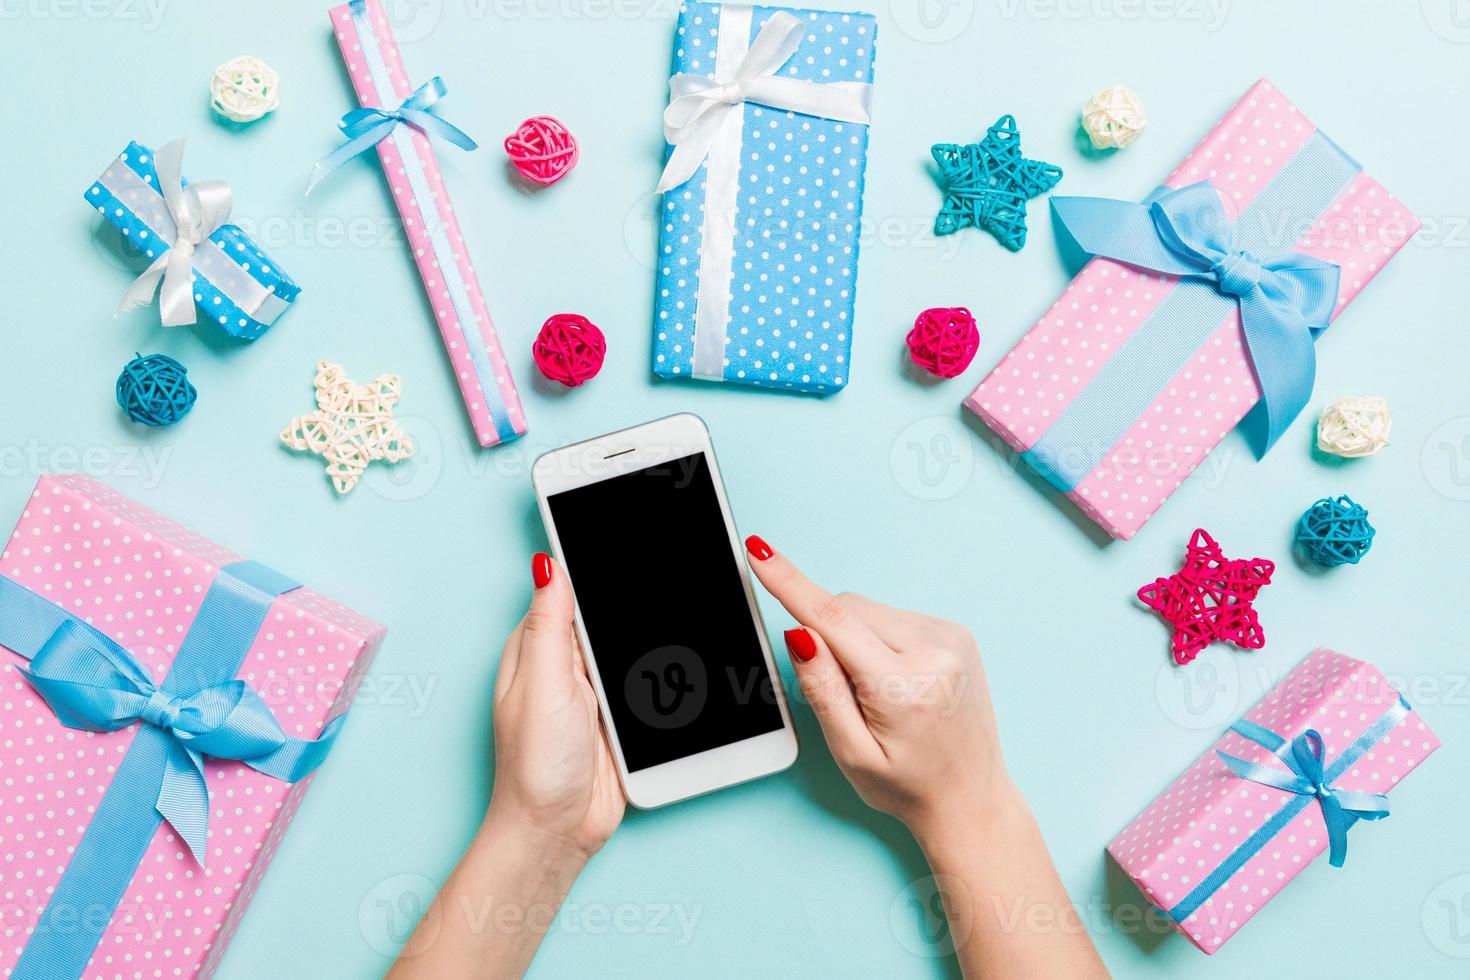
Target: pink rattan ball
[
  {"x": 569, "y": 349},
  {"x": 542, "y": 150},
  {"x": 944, "y": 341}
]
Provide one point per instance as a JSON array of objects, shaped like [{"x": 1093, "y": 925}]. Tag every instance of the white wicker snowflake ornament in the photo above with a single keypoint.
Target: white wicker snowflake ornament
[{"x": 352, "y": 425}]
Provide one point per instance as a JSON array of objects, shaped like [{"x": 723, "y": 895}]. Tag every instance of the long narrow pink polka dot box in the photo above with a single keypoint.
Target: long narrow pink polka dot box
[
  {"x": 376, "y": 67},
  {"x": 1314, "y": 759},
  {"x": 1132, "y": 377},
  {"x": 162, "y": 705}
]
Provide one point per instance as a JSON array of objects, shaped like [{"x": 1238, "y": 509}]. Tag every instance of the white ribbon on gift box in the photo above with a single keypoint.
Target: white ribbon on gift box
[
  {"x": 705, "y": 118},
  {"x": 183, "y": 217}
]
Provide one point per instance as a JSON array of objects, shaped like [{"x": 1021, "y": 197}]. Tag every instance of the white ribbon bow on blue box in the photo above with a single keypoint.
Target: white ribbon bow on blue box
[
  {"x": 198, "y": 259},
  {"x": 762, "y": 196}
]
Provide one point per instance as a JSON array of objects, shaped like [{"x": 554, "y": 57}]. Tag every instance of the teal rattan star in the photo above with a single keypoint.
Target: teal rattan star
[{"x": 987, "y": 184}]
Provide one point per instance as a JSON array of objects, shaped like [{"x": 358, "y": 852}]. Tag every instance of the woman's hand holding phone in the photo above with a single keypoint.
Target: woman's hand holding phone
[
  {"x": 903, "y": 704},
  {"x": 902, "y": 701},
  {"x": 554, "y": 771},
  {"x": 555, "y": 802}
]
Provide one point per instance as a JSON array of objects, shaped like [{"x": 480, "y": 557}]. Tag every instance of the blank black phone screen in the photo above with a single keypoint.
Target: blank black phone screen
[{"x": 672, "y": 635}]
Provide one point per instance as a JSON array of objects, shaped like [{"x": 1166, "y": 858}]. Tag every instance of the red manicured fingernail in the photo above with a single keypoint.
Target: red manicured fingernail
[
  {"x": 799, "y": 644},
  {"x": 758, "y": 547},
  {"x": 541, "y": 569}
]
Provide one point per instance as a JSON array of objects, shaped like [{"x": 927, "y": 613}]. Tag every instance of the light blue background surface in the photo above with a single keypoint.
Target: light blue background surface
[{"x": 790, "y": 876}]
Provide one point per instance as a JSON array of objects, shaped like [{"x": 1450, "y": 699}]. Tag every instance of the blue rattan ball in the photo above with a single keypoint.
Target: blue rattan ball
[
  {"x": 155, "y": 390},
  {"x": 1335, "y": 531}
]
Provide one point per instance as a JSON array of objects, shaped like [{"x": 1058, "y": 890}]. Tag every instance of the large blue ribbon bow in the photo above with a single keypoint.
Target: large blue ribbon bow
[
  {"x": 199, "y": 709},
  {"x": 1286, "y": 298},
  {"x": 95, "y": 685},
  {"x": 1340, "y": 808},
  {"x": 366, "y": 128}
]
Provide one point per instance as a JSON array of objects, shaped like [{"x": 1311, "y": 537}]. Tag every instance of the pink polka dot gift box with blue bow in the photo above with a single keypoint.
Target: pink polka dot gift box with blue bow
[
  {"x": 1312, "y": 761},
  {"x": 1200, "y": 308},
  {"x": 767, "y": 126},
  {"x": 166, "y": 702}
]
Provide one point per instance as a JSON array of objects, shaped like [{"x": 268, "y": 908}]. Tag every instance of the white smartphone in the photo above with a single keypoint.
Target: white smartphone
[{"x": 691, "y": 698}]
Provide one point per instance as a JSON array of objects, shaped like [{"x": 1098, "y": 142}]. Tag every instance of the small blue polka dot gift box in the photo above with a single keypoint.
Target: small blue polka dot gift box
[
  {"x": 767, "y": 126},
  {"x": 199, "y": 259}
]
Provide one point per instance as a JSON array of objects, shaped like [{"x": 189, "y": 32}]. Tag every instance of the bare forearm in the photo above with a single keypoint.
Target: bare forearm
[
  {"x": 1009, "y": 916},
  {"x": 495, "y": 908}
]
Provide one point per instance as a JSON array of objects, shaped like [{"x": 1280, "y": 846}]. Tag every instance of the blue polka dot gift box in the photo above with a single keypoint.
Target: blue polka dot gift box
[
  {"x": 767, "y": 126},
  {"x": 199, "y": 260}
]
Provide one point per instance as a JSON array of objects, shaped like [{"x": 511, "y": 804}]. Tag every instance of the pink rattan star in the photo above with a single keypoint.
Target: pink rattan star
[{"x": 1210, "y": 598}]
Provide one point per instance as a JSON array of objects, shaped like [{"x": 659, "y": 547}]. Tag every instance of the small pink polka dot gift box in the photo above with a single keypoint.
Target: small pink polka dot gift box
[
  {"x": 1312, "y": 761},
  {"x": 163, "y": 703},
  {"x": 1199, "y": 309}
]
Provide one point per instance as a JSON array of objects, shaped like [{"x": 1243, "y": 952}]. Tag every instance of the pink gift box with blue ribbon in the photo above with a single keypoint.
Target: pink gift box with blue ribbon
[
  {"x": 165, "y": 704},
  {"x": 1200, "y": 309},
  {"x": 1314, "y": 759}
]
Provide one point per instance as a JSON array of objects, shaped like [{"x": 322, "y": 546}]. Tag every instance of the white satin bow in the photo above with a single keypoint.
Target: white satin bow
[
  {"x": 698, "y": 103},
  {"x": 197, "y": 210}
]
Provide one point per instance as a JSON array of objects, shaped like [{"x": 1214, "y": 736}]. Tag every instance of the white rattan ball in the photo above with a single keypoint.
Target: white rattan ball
[
  {"x": 244, "y": 89},
  {"x": 1113, "y": 118},
  {"x": 1354, "y": 427}
]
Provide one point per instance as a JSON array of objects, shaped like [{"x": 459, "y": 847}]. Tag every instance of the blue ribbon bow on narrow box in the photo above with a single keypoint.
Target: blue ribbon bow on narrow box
[
  {"x": 366, "y": 128},
  {"x": 199, "y": 709},
  {"x": 1286, "y": 298}
]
